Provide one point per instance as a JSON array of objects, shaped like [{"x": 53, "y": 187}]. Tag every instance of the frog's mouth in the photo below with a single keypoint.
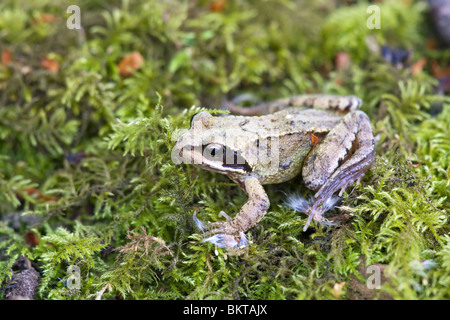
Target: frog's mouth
[{"x": 214, "y": 157}]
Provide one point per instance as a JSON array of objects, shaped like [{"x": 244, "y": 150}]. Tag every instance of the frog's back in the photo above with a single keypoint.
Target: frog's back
[
  {"x": 303, "y": 120},
  {"x": 287, "y": 136}
]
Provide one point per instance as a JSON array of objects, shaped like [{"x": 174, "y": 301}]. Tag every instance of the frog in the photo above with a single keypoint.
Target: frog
[{"x": 324, "y": 138}]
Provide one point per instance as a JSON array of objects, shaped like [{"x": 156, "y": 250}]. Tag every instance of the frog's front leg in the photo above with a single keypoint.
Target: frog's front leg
[
  {"x": 342, "y": 157},
  {"x": 249, "y": 215}
]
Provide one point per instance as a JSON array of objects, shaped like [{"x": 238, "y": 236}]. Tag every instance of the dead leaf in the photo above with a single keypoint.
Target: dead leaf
[
  {"x": 32, "y": 239},
  {"x": 39, "y": 195},
  {"x": 51, "y": 244},
  {"x": 217, "y": 6},
  {"x": 431, "y": 44},
  {"x": 337, "y": 289},
  {"x": 343, "y": 61},
  {"x": 418, "y": 66},
  {"x": 131, "y": 62},
  {"x": 6, "y": 57},
  {"x": 45, "y": 18},
  {"x": 438, "y": 72},
  {"x": 50, "y": 64}
]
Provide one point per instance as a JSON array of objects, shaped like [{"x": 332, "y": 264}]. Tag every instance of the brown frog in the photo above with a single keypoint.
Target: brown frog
[{"x": 323, "y": 137}]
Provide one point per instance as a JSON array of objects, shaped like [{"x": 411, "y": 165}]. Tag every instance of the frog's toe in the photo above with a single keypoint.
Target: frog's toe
[
  {"x": 317, "y": 215},
  {"x": 221, "y": 233},
  {"x": 224, "y": 214},
  {"x": 222, "y": 226},
  {"x": 311, "y": 208},
  {"x": 199, "y": 224},
  {"x": 223, "y": 240}
]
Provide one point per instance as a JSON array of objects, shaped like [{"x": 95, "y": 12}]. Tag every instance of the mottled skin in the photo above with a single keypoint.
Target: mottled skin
[{"x": 275, "y": 147}]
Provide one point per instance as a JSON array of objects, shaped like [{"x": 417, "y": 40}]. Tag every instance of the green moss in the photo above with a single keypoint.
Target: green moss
[
  {"x": 86, "y": 153},
  {"x": 401, "y": 25}
]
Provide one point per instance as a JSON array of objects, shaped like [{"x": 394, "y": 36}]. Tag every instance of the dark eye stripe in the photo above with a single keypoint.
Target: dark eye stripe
[{"x": 236, "y": 161}]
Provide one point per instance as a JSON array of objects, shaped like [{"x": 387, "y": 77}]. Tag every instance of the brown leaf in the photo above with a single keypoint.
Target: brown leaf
[
  {"x": 50, "y": 64},
  {"x": 45, "y": 18},
  {"x": 217, "y": 6},
  {"x": 343, "y": 61},
  {"x": 418, "y": 66},
  {"x": 337, "y": 289},
  {"x": 431, "y": 44},
  {"x": 51, "y": 244},
  {"x": 438, "y": 72},
  {"x": 39, "y": 195},
  {"x": 32, "y": 239},
  {"x": 6, "y": 57},
  {"x": 131, "y": 62}
]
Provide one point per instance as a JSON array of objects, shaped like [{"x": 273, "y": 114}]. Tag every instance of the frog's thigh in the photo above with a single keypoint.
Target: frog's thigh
[
  {"x": 325, "y": 101},
  {"x": 316, "y": 101},
  {"x": 347, "y": 144}
]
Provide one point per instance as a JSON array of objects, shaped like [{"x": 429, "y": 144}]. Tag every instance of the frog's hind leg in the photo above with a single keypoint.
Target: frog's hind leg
[
  {"x": 326, "y": 101},
  {"x": 316, "y": 101},
  {"x": 341, "y": 158}
]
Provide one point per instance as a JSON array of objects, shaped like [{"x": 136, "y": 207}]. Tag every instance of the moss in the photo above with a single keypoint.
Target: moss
[{"x": 85, "y": 161}]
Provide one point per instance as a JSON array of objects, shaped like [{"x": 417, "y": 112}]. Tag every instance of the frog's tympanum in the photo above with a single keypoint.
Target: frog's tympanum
[{"x": 325, "y": 138}]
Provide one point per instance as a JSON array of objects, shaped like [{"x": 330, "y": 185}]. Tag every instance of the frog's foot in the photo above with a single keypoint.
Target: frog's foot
[
  {"x": 222, "y": 233},
  {"x": 223, "y": 240},
  {"x": 298, "y": 203}
]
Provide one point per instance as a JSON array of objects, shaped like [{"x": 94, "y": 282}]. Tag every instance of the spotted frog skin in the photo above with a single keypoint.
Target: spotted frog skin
[{"x": 324, "y": 138}]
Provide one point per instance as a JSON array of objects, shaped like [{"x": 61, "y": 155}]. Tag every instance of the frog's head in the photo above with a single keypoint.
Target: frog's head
[{"x": 213, "y": 143}]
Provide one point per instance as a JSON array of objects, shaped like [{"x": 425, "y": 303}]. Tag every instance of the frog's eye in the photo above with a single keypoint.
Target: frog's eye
[{"x": 214, "y": 151}]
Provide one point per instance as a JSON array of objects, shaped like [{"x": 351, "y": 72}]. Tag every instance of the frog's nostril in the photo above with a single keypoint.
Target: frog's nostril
[
  {"x": 187, "y": 147},
  {"x": 181, "y": 153}
]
